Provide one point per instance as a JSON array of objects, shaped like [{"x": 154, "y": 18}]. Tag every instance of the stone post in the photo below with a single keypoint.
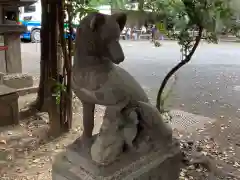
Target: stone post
[
  {"x": 13, "y": 55},
  {"x": 2, "y": 53}
]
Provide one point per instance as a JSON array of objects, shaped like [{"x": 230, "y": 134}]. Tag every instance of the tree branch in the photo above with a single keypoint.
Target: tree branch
[{"x": 177, "y": 67}]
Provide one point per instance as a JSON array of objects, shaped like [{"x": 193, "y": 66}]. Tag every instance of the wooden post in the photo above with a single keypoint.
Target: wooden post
[
  {"x": 13, "y": 54},
  {"x": 2, "y": 53}
]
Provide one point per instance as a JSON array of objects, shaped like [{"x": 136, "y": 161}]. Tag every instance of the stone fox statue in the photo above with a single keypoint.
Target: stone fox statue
[{"x": 97, "y": 79}]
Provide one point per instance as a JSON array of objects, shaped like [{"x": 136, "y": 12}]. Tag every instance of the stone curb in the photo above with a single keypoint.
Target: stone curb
[
  {"x": 28, "y": 90},
  {"x": 235, "y": 40}
]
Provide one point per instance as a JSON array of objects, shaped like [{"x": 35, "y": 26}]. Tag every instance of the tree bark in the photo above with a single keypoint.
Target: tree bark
[
  {"x": 49, "y": 76},
  {"x": 53, "y": 111},
  {"x": 40, "y": 102},
  {"x": 140, "y": 5},
  {"x": 66, "y": 97}
]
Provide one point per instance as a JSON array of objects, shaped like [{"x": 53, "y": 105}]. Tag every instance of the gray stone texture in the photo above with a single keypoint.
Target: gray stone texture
[
  {"x": 1, "y": 77},
  {"x": 18, "y": 81},
  {"x": 9, "y": 114},
  {"x": 13, "y": 54},
  {"x": 2, "y": 60},
  {"x": 2, "y": 53},
  {"x": 158, "y": 164}
]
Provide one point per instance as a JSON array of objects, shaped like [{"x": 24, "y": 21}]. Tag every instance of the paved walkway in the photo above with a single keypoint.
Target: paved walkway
[{"x": 206, "y": 86}]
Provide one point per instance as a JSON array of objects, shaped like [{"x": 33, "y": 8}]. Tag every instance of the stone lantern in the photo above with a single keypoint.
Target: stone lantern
[{"x": 11, "y": 78}]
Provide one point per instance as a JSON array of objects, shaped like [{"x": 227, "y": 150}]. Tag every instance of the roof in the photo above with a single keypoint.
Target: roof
[{"x": 17, "y": 3}]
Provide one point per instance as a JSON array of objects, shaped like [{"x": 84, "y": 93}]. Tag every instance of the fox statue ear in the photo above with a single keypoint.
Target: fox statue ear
[
  {"x": 97, "y": 21},
  {"x": 121, "y": 19}
]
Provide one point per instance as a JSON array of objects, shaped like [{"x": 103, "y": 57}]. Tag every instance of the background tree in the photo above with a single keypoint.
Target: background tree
[
  {"x": 81, "y": 8},
  {"x": 54, "y": 94},
  {"x": 194, "y": 20}
]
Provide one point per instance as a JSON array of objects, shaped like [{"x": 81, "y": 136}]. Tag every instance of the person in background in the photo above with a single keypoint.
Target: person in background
[
  {"x": 149, "y": 31},
  {"x": 143, "y": 30},
  {"x": 134, "y": 33},
  {"x": 154, "y": 29},
  {"x": 128, "y": 33},
  {"x": 124, "y": 32}
]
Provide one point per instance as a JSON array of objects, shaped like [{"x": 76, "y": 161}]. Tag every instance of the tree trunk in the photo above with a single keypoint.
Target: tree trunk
[
  {"x": 111, "y": 6},
  {"x": 53, "y": 111},
  {"x": 140, "y": 5},
  {"x": 66, "y": 97},
  {"x": 49, "y": 66},
  {"x": 40, "y": 103}
]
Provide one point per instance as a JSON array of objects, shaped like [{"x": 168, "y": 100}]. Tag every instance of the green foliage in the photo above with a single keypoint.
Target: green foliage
[
  {"x": 188, "y": 16},
  {"x": 182, "y": 16},
  {"x": 81, "y": 8},
  {"x": 84, "y": 7},
  {"x": 58, "y": 90},
  {"x": 189, "y": 21}
]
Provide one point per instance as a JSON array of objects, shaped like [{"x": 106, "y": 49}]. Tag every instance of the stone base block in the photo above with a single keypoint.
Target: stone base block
[
  {"x": 1, "y": 77},
  {"x": 18, "y": 81},
  {"x": 158, "y": 164},
  {"x": 28, "y": 90},
  {"x": 9, "y": 114}
]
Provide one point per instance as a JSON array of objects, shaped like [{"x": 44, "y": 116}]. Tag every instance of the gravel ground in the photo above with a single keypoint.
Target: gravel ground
[{"x": 27, "y": 152}]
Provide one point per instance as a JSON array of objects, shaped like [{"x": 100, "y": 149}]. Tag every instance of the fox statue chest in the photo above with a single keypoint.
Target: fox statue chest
[
  {"x": 92, "y": 76},
  {"x": 107, "y": 78}
]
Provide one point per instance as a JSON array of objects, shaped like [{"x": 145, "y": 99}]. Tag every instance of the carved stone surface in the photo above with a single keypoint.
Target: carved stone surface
[
  {"x": 12, "y": 28},
  {"x": 156, "y": 164},
  {"x": 18, "y": 81},
  {"x": 9, "y": 114}
]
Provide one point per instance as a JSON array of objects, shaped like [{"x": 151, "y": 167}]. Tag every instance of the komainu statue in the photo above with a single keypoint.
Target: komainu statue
[{"x": 130, "y": 122}]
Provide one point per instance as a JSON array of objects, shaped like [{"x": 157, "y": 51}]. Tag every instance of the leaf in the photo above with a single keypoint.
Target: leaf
[
  {"x": 236, "y": 164},
  {"x": 3, "y": 142}
]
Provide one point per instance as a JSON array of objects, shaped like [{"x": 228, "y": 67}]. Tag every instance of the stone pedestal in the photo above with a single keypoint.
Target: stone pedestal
[
  {"x": 9, "y": 114},
  {"x": 160, "y": 163},
  {"x": 18, "y": 81}
]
